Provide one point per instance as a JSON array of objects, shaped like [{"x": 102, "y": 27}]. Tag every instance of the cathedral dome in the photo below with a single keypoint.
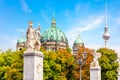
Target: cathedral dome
[
  {"x": 54, "y": 34},
  {"x": 21, "y": 40},
  {"x": 78, "y": 40}
]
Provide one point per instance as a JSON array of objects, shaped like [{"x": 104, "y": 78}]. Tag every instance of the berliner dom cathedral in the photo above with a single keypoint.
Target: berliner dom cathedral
[{"x": 52, "y": 39}]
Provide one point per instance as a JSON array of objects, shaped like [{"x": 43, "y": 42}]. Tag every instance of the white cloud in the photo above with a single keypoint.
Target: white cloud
[
  {"x": 94, "y": 24},
  {"x": 25, "y": 6},
  {"x": 90, "y": 26},
  {"x": 76, "y": 29}
]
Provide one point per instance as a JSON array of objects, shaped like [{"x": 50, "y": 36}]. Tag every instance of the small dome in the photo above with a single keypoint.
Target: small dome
[
  {"x": 78, "y": 40},
  {"x": 21, "y": 40}
]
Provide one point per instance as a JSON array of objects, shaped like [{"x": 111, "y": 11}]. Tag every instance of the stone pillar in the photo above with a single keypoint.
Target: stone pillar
[
  {"x": 118, "y": 73},
  {"x": 95, "y": 73},
  {"x": 33, "y": 65},
  {"x": 118, "y": 76}
]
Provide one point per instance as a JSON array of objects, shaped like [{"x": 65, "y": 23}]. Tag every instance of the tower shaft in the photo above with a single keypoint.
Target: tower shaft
[
  {"x": 106, "y": 34},
  {"x": 106, "y": 43}
]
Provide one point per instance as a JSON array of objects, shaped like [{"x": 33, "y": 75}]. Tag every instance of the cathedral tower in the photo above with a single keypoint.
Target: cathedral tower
[{"x": 77, "y": 44}]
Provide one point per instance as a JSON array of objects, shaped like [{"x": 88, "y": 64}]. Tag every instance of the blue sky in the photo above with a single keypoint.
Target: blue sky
[{"x": 84, "y": 17}]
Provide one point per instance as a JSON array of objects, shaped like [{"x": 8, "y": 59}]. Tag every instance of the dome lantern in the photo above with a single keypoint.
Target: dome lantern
[{"x": 53, "y": 23}]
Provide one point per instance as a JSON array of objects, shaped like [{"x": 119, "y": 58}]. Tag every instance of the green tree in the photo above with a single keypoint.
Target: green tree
[
  {"x": 86, "y": 67},
  {"x": 58, "y": 65},
  {"x": 11, "y": 65},
  {"x": 108, "y": 64}
]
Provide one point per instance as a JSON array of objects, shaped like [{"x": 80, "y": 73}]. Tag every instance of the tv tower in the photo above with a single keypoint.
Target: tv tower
[{"x": 106, "y": 34}]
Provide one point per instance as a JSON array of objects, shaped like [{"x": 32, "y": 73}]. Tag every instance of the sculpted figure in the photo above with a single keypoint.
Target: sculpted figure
[
  {"x": 95, "y": 62},
  {"x": 33, "y": 38},
  {"x": 30, "y": 37},
  {"x": 37, "y": 39}
]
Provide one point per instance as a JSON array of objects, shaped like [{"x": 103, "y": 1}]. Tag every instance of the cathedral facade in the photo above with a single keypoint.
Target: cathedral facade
[{"x": 52, "y": 39}]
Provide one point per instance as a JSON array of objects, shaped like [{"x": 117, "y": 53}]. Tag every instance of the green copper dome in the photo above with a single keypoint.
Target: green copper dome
[
  {"x": 78, "y": 40},
  {"x": 54, "y": 34},
  {"x": 21, "y": 40}
]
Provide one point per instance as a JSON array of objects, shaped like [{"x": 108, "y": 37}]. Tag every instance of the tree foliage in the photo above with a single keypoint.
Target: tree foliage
[
  {"x": 11, "y": 65},
  {"x": 58, "y": 65},
  {"x": 86, "y": 67},
  {"x": 108, "y": 64}
]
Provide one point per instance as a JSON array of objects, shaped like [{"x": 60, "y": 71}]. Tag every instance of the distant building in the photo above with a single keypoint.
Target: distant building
[
  {"x": 20, "y": 43},
  {"x": 52, "y": 39},
  {"x": 77, "y": 44}
]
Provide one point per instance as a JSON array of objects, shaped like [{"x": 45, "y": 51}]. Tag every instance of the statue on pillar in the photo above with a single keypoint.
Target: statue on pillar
[
  {"x": 95, "y": 62},
  {"x": 37, "y": 39},
  {"x": 118, "y": 60},
  {"x": 30, "y": 37},
  {"x": 33, "y": 38}
]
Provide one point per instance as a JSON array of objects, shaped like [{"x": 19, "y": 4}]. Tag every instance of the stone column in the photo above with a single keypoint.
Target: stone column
[
  {"x": 33, "y": 65},
  {"x": 95, "y": 73},
  {"x": 118, "y": 73}
]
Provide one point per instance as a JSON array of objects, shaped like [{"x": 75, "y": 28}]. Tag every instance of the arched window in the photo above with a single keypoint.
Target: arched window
[
  {"x": 62, "y": 39},
  {"x": 51, "y": 37}
]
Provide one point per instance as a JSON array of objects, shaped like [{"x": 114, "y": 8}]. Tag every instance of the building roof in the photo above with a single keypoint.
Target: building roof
[
  {"x": 54, "y": 34},
  {"x": 21, "y": 40},
  {"x": 78, "y": 40}
]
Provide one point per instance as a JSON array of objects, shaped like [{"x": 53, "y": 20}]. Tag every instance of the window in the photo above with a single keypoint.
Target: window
[
  {"x": 62, "y": 39},
  {"x": 51, "y": 37}
]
